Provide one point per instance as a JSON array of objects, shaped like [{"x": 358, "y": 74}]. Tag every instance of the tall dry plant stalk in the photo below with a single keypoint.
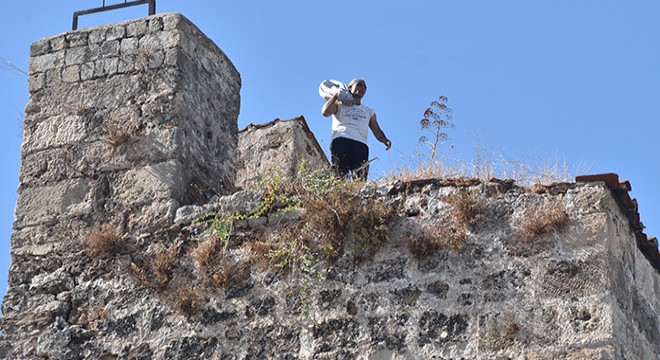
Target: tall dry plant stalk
[{"x": 437, "y": 118}]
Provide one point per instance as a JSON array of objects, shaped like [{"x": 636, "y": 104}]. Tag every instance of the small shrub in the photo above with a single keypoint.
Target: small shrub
[
  {"x": 103, "y": 242},
  {"x": 422, "y": 243},
  {"x": 163, "y": 265},
  {"x": 542, "y": 219},
  {"x": 451, "y": 231},
  {"x": 228, "y": 275},
  {"x": 190, "y": 301},
  {"x": 205, "y": 251},
  {"x": 278, "y": 193},
  {"x": 139, "y": 274},
  {"x": 465, "y": 211},
  {"x": 370, "y": 228}
]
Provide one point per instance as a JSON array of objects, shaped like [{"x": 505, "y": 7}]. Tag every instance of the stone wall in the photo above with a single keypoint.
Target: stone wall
[
  {"x": 116, "y": 250},
  {"x": 578, "y": 291},
  {"x": 277, "y": 146}
]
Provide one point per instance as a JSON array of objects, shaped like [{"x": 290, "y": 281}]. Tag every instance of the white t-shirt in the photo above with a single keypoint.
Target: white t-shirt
[{"x": 352, "y": 122}]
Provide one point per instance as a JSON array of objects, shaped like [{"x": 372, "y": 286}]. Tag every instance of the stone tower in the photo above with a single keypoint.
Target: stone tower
[
  {"x": 138, "y": 117},
  {"x": 125, "y": 123}
]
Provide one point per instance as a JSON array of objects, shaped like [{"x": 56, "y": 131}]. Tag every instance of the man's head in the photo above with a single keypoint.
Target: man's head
[{"x": 358, "y": 88}]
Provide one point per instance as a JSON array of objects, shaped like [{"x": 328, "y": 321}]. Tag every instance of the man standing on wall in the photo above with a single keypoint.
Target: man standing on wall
[{"x": 349, "y": 149}]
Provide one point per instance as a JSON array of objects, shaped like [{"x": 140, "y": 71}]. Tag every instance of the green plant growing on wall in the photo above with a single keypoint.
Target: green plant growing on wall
[
  {"x": 334, "y": 220},
  {"x": 278, "y": 194}
]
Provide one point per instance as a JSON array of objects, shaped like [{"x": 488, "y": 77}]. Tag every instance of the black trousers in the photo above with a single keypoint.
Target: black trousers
[{"x": 350, "y": 156}]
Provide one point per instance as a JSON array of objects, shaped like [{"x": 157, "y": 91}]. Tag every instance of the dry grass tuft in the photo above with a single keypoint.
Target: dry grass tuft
[
  {"x": 489, "y": 163},
  {"x": 205, "y": 251},
  {"x": 342, "y": 221},
  {"x": 542, "y": 219},
  {"x": 104, "y": 242},
  {"x": 370, "y": 228},
  {"x": 139, "y": 274},
  {"x": 326, "y": 218},
  {"x": 163, "y": 265},
  {"x": 258, "y": 251},
  {"x": 423, "y": 242},
  {"x": 190, "y": 301},
  {"x": 227, "y": 275},
  {"x": 451, "y": 231},
  {"x": 116, "y": 135},
  {"x": 465, "y": 208}
]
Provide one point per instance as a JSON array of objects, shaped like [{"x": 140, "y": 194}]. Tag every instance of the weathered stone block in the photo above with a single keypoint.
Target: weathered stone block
[
  {"x": 36, "y": 82},
  {"x": 50, "y": 166},
  {"x": 99, "y": 68},
  {"x": 115, "y": 32},
  {"x": 39, "y": 47},
  {"x": 77, "y": 38},
  {"x": 71, "y": 74},
  {"x": 110, "y": 48},
  {"x": 56, "y": 131},
  {"x": 47, "y": 239},
  {"x": 158, "y": 182},
  {"x": 59, "y": 43},
  {"x": 53, "y": 77},
  {"x": 568, "y": 278},
  {"x": 76, "y": 56},
  {"x": 155, "y": 216},
  {"x": 155, "y": 24},
  {"x": 110, "y": 66},
  {"x": 128, "y": 46},
  {"x": 96, "y": 36},
  {"x": 583, "y": 231},
  {"x": 156, "y": 60},
  {"x": 41, "y": 205},
  {"x": 280, "y": 146},
  {"x": 45, "y": 62},
  {"x": 87, "y": 71}
]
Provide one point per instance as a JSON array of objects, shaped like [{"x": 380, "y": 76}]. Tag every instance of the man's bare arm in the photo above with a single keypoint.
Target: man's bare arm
[
  {"x": 330, "y": 107},
  {"x": 378, "y": 133}
]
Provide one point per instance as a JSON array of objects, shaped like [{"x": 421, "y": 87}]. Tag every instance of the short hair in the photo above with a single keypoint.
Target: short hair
[{"x": 355, "y": 81}]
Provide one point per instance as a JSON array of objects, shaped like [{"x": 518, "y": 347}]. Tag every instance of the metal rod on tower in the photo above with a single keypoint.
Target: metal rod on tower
[{"x": 125, "y": 4}]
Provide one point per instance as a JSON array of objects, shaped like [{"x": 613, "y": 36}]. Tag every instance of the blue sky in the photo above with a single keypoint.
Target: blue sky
[{"x": 535, "y": 81}]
